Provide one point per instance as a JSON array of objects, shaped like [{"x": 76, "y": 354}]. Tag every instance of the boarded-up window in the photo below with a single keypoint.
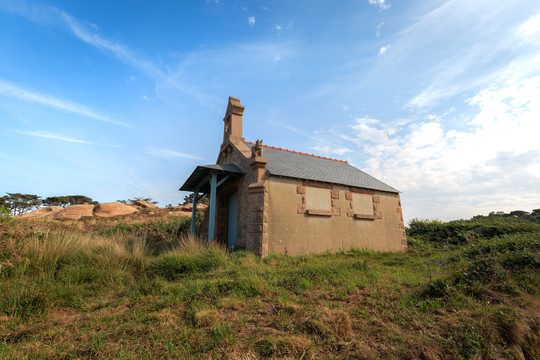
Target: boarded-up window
[
  {"x": 363, "y": 204},
  {"x": 318, "y": 199}
]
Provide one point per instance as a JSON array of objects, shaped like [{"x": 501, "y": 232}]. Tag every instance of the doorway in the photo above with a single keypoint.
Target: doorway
[{"x": 232, "y": 220}]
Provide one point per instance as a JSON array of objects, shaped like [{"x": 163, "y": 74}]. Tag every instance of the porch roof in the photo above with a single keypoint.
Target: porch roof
[{"x": 198, "y": 178}]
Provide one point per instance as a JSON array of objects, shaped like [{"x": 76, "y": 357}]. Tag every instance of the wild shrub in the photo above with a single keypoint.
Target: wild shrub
[
  {"x": 436, "y": 289},
  {"x": 467, "y": 231}
]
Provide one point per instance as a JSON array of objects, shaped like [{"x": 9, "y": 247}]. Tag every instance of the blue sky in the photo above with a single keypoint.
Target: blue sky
[{"x": 117, "y": 99}]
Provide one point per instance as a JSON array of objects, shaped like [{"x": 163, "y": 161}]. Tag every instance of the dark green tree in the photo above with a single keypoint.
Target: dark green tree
[
  {"x": 19, "y": 204},
  {"x": 138, "y": 198},
  {"x": 67, "y": 200},
  {"x": 189, "y": 199},
  {"x": 519, "y": 213}
]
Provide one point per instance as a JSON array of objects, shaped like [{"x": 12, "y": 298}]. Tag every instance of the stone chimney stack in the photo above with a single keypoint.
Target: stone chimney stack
[{"x": 233, "y": 120}]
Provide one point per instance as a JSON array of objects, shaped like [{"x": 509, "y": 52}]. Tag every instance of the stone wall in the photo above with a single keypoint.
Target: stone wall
[
  {"x": 295, "y": 229},
  {"x": 234, "y": 156}
]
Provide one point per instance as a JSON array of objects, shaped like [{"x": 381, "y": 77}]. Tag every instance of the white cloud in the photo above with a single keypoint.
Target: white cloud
[
  {"x": 251, "y": 20},
  {"x": 170, "y": 154},
  {"x": 53, "y": 136},
  {"x": 381, "y": 3},
  {"x": 492, "y": 164},
  {"x": 8, "y": 89},
  {"x": 530, "y": 29},
  {"x": 384, "y": 49},
  {"x": 331, "y": 150}
]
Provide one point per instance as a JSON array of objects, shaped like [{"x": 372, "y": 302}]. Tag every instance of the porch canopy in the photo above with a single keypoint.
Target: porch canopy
[{"x": 205, "y": 179}]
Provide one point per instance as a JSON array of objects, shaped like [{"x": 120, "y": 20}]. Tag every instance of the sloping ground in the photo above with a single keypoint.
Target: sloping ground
[
  {"x": 77, "y": 212},
  {"x": 121, "y": 296}
]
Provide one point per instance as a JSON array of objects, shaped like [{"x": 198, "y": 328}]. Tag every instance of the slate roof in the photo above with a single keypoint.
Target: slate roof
[{"x": 282, "y": 162}]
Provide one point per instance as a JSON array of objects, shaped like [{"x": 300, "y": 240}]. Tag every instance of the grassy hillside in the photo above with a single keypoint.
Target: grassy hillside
[{"x": 465, "y": 289}]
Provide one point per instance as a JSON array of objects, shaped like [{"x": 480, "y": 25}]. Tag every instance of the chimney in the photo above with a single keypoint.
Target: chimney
[{"x": 233, "y": 120}]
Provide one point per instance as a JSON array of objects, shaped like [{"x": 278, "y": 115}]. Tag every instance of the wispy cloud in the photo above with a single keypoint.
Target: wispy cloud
[
  {"x": 378, "y": 33},
  {"x": 170, "y": 154},
  {"x": 14, "y": 91},
  {"x": 324, "y": 144},
  {"x": 380, "y": 3},
  {"x": 478, "y": 61},
  {"x": 88, "y": 35},
  {"x": 177, "y": 81},
  {"x": 53, "y": 136}
]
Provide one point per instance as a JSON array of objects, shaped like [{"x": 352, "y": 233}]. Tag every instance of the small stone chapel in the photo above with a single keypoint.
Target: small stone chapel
[{"x": 271, "y": 200}]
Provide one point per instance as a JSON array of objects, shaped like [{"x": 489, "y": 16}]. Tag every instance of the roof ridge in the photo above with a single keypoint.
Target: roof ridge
[{"x": 298, "y": 152}]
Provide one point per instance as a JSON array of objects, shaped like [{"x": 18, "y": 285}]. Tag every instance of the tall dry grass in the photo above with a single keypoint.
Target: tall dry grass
[{"x": 41, "y": 269}]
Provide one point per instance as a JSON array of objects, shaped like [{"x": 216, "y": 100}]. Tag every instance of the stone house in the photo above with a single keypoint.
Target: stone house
[{"x": 276, "y": 201}]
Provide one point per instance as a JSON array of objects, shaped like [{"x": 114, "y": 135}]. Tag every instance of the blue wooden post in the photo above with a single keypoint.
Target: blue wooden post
[
  {"x": 194, "y": 212},
  {"x": 212, "y": 215}
]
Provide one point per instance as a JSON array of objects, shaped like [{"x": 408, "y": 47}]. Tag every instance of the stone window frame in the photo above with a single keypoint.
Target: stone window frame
[
  {"x": 375, "y": 200},
  {"x": 334, "y": 195}
]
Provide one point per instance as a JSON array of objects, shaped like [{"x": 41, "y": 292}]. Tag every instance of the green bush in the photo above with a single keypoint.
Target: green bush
[
  {"x": 435, "y": 289},
  {"x": 467, "y": 231},
  {"x": 5, "y": 214}
]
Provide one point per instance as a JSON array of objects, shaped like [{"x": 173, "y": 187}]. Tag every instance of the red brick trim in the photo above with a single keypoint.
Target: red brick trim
[
  {"x": 365, "y": 217},
  {"x": 317, "y": 184},
  {"x": 361, "y": 190},
  {"x": 319, "y": 212},
  {"x": 298, "y": 152}
]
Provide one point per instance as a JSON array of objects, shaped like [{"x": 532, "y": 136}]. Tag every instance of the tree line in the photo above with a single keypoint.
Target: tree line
[
  {"x": 19, "y": 204},
  {"x": 533, "y": 216}
]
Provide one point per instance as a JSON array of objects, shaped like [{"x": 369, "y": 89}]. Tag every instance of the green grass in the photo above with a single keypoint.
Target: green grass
[{"x": 124, "y": 294}]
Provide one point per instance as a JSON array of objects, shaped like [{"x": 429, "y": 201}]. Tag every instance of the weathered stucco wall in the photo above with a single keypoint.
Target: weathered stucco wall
[{"x": 294, "y": 229}]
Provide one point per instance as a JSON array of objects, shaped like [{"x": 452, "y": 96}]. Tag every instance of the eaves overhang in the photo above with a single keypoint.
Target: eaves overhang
[{"x": 196, "y": 181}]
